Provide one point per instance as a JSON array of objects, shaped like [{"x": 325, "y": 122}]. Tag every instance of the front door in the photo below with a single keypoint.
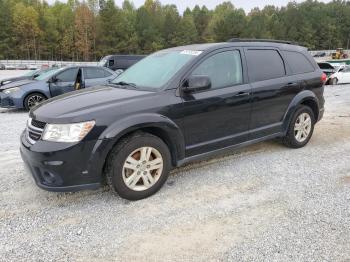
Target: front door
[
  {"x": 64, "y": 82},
  {"x": 218, "y": 117}
]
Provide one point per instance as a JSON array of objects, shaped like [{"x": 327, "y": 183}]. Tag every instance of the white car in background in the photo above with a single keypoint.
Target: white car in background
[{"x": 341, "y": 76}]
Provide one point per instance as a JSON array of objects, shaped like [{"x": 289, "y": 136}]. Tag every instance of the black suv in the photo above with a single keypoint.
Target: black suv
[{"x": 173, "y": 107}]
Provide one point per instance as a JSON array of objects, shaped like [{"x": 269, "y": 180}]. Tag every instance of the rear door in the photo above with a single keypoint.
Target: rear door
[
  {"x": 272, "y": 90},
  {"x": 64, "y": 82}
]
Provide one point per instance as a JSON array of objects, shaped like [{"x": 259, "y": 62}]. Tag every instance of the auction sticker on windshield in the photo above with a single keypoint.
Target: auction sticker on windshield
[{"x": 191, "y": 52}]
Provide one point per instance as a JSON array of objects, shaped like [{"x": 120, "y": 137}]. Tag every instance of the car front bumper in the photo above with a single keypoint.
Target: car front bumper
[
  {"x": 11, "y": 100},
  {"x": 62, "y": 167}
]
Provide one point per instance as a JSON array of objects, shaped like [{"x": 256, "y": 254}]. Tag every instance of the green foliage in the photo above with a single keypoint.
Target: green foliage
[{"x": 90, "y": 29}]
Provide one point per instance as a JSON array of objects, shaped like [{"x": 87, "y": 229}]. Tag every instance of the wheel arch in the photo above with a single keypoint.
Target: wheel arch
[
  {"x": 307, "y": 98},
  {"x": 157, "y": 125},
  {"x": 31, "y": 93}
]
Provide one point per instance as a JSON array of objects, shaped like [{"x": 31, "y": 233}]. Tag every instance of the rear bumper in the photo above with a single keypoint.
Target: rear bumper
[{"x": 61, "y": 167}]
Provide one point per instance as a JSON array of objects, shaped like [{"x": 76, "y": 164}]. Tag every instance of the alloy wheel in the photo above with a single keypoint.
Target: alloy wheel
[
  {"x": 142, "y": 168},
  {"x": 35, "y": 100},
  {"x": 302, "y": 127}
]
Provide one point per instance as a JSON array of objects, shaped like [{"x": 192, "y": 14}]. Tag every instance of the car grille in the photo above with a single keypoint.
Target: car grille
[
  {"x": 38, "y": 124},
  {"x": 35, "y": 129}
]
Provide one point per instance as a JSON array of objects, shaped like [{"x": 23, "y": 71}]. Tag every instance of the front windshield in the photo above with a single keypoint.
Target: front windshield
[
  {"x": 103, "y": 62},
  {"x": 47, "y": 74},
  {"x": 31, "y": 72},
  {"x": 156, "y": 70}
]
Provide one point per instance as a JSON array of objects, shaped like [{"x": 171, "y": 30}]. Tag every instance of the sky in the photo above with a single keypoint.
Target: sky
[{"x": 247, "y": 5}]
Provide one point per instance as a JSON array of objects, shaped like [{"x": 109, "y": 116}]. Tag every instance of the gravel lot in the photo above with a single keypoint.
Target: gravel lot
[{"x": 261, "y": 203}]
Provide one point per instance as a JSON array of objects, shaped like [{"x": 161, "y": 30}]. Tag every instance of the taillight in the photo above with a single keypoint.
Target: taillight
[{"x": 324, "y": 78}]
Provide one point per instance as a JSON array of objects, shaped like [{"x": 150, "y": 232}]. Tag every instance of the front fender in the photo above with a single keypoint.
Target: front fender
[
  {"x": 297, "y": 100},
  {"x": 169, "y": 131}
]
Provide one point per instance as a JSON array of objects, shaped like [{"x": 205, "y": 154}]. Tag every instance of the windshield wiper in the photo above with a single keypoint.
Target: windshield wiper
[{"x": 122, "y": 83}]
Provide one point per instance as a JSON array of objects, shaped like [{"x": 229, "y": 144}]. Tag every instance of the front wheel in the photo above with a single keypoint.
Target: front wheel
[
  {"x": 300, "y": 128},
  {"x": 33, "y": 100},
  {"x": 138, "y": 166}
]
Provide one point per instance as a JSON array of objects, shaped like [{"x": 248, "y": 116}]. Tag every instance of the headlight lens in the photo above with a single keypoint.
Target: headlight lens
[
  {"x": 11, "y": 90},
  {"x": 67, "y": 132}
]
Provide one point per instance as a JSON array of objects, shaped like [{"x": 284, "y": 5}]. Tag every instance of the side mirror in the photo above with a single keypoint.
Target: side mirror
[
  {"x": 53, "y": 79},
  {"x": 197, "y": 83}
]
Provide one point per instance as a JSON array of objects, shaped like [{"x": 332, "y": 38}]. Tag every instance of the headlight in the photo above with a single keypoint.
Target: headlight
[
  {"x": 67, "y": 132},
  {"x": 11, "y": 90}
]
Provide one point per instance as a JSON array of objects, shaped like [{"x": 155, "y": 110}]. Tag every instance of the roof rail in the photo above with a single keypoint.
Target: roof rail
[{"x": 261, "y": 40}]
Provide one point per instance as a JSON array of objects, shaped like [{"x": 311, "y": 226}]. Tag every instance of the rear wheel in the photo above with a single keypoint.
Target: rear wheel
[
  {"x": 138, "y": 166},
  {"x": 300, "y": 128},
  {"x": 33, "y": 100},
  {"x": 334, "y": 81}
]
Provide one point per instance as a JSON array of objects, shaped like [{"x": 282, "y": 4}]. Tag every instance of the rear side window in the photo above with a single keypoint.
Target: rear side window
[
  {"x": 91, "y": 73},
  {"x": 264, "y": 64},
  {"x": 298, "y": 62},
  {"x": 224, "y": 69}
]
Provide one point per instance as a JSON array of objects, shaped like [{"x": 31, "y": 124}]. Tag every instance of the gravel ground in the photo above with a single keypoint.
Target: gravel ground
[{"x": 261, "y": 203}]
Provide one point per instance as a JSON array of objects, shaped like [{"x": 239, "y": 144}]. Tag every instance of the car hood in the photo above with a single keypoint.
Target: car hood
[
  {"x": 83, "y": 104},
  {"x": 17, "y": 83}
]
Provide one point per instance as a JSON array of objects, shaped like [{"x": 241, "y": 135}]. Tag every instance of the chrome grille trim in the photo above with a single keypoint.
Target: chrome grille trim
[{"x": 37, "y": 132}]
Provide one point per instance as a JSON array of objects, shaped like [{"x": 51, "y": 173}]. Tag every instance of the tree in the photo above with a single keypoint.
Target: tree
[
  {"x": 227, "y": 22},
  {"x": 6, "y": 32},
  {"x": 84, "y": 31},
  {"x": 89, "y": 29},
  {"x": 26, "y": 29},
  {"x": 186, "y": 32}
]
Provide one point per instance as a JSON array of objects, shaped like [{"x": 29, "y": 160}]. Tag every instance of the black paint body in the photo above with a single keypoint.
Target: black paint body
[{"x": 193, "y": 125}]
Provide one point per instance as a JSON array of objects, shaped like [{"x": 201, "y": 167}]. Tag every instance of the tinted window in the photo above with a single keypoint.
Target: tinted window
[
  {"x": 264, "y": 65},
  {"x": 224, "y": 69},
  {"x": 110, "y": 62},
  {"x": 298, "y": 62},
  {"x": 325, "y": 66},
  {"x": 68, "y": 75},
  {"x": 90, "y": 73}
]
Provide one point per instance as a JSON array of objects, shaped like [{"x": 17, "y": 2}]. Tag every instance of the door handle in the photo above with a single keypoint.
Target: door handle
[
  {"x": 242, "y": 94},
  {"x": 292, "y": 84}
]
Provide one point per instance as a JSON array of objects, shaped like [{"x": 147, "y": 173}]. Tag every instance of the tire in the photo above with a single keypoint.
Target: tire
[
  {"x": 292, "y": 139},
  {"x": 121, "y": 178},
  {"x": 334, "y": 81},
  {"x": 29, "y": 101}
]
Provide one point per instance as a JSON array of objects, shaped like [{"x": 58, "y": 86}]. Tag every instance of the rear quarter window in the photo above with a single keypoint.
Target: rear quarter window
[
  {"x": 264, "y": 64},
  {"x": 298, "y": 62}
]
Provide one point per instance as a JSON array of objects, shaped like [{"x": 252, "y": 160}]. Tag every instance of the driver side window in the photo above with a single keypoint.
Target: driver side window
[
  {"x": 68, "y": 75},
  {"x": 224, "y": 69}
]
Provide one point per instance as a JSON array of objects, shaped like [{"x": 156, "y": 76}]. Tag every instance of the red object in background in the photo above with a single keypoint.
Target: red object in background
[{"x": 44, "y": 66}]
